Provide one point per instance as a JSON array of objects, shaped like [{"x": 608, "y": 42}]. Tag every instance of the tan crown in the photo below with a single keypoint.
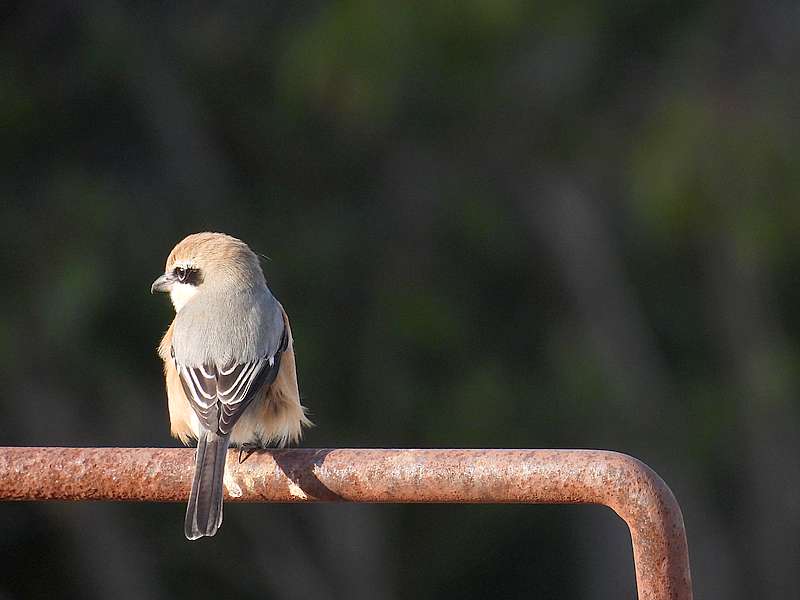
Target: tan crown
[{"x": 216, "y": 253}]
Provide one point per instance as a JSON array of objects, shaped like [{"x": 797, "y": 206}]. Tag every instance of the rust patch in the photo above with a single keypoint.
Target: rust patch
[{"x": 627, "y": 486}]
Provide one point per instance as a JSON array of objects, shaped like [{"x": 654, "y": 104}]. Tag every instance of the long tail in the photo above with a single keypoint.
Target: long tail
[{"x": 204, "y": 513}]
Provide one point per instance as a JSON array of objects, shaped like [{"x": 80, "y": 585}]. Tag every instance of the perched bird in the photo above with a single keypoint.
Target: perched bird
[{"x": 228, "y": 362}]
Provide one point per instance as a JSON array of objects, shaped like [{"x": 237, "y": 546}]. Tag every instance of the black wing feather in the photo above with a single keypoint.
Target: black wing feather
[{"x": 220, "y": 396}]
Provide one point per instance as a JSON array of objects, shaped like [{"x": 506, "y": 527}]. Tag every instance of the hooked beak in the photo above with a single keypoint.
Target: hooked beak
[{"x": 162, "y": 284}]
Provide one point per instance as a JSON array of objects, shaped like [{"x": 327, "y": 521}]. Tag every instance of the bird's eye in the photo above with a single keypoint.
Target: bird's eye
[{"x": 181, "y": 273}]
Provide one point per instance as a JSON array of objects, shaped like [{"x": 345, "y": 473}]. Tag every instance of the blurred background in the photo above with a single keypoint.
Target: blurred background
[{"x": 494, "y": 223}]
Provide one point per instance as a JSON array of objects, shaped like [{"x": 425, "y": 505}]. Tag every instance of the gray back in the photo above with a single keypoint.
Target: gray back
[{"x": 219, "y": 328}]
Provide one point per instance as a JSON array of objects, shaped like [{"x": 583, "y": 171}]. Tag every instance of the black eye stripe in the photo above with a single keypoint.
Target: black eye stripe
[{"x": 190, "y": 275}]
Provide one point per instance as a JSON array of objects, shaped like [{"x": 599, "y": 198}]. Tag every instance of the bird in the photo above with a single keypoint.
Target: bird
[{"x": 229, "y": 364}]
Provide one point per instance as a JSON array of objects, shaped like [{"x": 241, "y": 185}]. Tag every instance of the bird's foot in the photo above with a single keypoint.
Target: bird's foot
[{"x": 247, "y": 449}]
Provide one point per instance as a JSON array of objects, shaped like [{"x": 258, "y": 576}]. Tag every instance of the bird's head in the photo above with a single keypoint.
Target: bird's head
[{"x": 208, "y": 262}]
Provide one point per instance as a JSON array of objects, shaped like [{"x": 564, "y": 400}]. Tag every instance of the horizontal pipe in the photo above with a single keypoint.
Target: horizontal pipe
[{"x": 627, "y": 486}]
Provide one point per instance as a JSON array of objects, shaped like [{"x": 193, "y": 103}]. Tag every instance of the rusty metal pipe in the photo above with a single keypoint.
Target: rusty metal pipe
[{"x": 627, "y": 486}]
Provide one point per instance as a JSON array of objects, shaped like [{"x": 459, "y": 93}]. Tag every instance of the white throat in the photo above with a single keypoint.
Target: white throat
[{"x": 180, "y": 294}]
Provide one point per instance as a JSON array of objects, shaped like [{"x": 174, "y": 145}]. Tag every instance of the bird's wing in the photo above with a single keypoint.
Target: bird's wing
[
  {"x": 237, "y": 387},
  {"x": 219, "y": 396}
]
